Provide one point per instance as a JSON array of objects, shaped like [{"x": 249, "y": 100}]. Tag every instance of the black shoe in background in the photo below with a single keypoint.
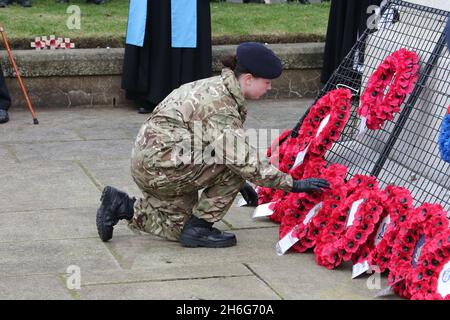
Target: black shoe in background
[
  {"x": 145, "y": 107},
  {"x": 200, "y": 233},
  {"x": 144, "y": 110},
  {"x": 4, "y": 116}
]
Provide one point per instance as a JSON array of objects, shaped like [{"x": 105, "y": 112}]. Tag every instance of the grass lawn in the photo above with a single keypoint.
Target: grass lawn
[{"x": 105, "y": 25}]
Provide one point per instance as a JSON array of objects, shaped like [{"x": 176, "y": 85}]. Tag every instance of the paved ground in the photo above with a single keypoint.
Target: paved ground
[{"x": 52, "y": 175}]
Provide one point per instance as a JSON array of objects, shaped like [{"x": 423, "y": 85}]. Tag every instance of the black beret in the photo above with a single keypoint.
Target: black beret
[{"x": 259, "y": 60}]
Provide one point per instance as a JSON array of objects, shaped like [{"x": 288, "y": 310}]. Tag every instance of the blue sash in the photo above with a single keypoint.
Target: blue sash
[
  {"x": 184, "y": 23},
  {"x": 137, "y": 18},
  {"x": 183, "y": 17}
]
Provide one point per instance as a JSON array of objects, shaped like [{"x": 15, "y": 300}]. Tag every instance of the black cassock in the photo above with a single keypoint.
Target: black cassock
[
  {"x": 5, "y": 99},
  {"x": 152, "y": 71},
  {"x": 347, "y": 21}
]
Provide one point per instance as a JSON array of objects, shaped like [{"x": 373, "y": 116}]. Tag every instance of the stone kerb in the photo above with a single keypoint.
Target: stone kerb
[{"x": 92, "y": 77}]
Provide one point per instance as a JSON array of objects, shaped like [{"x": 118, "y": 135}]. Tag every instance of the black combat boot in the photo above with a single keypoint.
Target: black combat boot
[
  {"x": 200, "y": 233},
  {"x": 115, "y": 205}
]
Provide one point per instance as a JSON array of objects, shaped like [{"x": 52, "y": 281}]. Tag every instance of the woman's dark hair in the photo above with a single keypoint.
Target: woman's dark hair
[{"x": 231, "y": 62}]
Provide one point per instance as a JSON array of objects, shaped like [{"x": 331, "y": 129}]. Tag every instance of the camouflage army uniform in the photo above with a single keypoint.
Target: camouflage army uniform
[{"x": 209, "y": 111}]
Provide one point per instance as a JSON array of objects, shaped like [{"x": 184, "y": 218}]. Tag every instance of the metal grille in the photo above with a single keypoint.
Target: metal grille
[{"x": 405, "y": 151}]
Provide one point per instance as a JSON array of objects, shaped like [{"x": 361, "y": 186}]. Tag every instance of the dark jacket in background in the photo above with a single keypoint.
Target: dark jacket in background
[
  {"x": 5, "y": 99},
  {"x": 347, "y": 20}
]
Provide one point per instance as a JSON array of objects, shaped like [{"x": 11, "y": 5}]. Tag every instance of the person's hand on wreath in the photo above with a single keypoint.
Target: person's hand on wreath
[
  {"x": 249, "y": 194},
  {"x": 310, "y": 185}
]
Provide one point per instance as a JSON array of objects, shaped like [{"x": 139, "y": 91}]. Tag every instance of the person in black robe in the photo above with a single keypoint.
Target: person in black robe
[
  {"x": 5, "y": 99},
  {"x": 347, "y": 21},
  {"x": 152, "y": 71}
]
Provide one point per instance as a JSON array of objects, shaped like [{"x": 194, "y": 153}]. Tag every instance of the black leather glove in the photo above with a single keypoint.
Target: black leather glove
[
  {"x": 310, "y": 185},
  {"x": 249, "y": 194}
]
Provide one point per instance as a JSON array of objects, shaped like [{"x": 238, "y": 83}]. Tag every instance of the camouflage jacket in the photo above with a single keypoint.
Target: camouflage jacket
[{"x": 202, "y": 123}]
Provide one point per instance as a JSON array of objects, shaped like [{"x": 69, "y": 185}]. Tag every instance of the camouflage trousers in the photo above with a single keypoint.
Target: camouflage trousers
[{"x": 172, "y": 195}]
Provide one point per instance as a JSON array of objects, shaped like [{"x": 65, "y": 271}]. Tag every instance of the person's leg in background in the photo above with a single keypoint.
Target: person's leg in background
[{"x": 5, "y": 99}]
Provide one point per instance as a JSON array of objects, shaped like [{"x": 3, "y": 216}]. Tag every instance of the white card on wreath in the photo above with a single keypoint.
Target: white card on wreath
[
  {"x": 362, "y": 126},
  {"x": 323, "y": 124},
  {"x": 443, "y": 287},
  {"x": 286, "y": 242},
  {"x": 353, "y": 210},
  {"x": 300, "y": 157},
  {"x": 382, "y": 229},
  {"x": 311, "y": 214},
  {"x": 241, "y": 202},
  {"x": 359, "y": 268},
  {"x": 263, "y": 210}
]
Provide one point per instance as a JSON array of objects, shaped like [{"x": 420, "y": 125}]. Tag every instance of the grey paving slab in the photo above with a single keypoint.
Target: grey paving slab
[
  {"x": 36, "y": 287},
  {"x": 146, "y": 251},
  {"x": 282, "y": 115},
  {"x": 297, "y": 276},
  {"x": 241, "y": 217},
  {"x": 5, "y": 156},
  {"x": 115, "y": 173},
  {"x": 28, "y": 133},
  {"x": 240, "y": 288},
  {"x": 54, "y": 256},
  {"x": 74, "y": 150},
  {"x": 53, "y": 224},
  {"x": 45, "y": 185},
  {"x": 253, "y": 123},
  {"x": 167, "y": 272},
  {"x": 70, "y": 125}
]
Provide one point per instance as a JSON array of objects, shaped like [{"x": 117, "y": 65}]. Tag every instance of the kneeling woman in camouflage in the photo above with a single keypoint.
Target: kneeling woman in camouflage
[{"x": 194, "y": 140}]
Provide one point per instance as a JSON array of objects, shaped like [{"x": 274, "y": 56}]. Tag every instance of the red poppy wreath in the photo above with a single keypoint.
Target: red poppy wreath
[
  {"x": 332, "y": 247},
  {"x": 300, "y": 210},
  {"x": 320, "y": 129},
  {"x": 399, "y": 72},
  {"x": 423, "y": 225},
  {"x": 430, "y": 279},
  {"x": 399, "y": 204}
]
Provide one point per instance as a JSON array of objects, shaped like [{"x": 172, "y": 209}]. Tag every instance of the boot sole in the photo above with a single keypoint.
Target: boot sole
[
  {"x": 105, "y": 233},
  {"x": 191, "y": 242}
]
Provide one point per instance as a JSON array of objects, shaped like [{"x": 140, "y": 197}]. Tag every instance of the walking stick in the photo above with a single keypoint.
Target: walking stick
[{"x": 24, "y": 91}]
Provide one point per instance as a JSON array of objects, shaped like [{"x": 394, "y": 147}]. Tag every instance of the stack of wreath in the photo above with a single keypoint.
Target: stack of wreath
[{"x": 356, "y": 220}]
